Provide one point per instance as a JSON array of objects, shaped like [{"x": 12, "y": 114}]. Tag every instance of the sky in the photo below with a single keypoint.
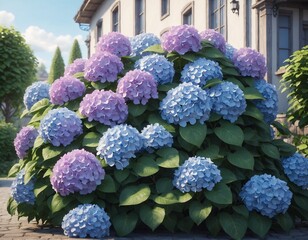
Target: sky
[{"x": 45, "y": 25}]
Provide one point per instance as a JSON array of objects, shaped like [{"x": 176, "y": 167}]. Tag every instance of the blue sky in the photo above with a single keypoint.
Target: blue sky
[{"x": 45, "y": 25}]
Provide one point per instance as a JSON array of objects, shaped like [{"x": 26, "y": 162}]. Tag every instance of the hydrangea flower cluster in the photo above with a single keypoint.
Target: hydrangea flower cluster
[
  {"x": 60, "y": 127},
  {"x": 24, "y": 140},
  {"x": 215, "y": 38},
  {"x": 187, "y": 103},
  {"x": 230, "y": 50},
  {"x": 65, "y": 89},
  {"x": 161, "y": 69},
  {"x": 141, "y": 42},
  {"x": 36, "y": 92},
  {"x": 250, "y": 63},
  {"x": 106, "y": 107},
  {"x": 86, "y": 220},
  {"x": 138, "y": 86},
  {"x": 228, "y": 100},
  {"x": 267, "y": 195},
  {"x": 21, "y": 192},
  {"x": 196, "y": 174},
  {"x": 75, "y": 67},
  {"x": 118, "y": 144},
  {"x": 200, "y": 71},
  {"x": 115, "y": 43},
  {"x": 181, "y": 39},
  {"x": 296, "y": 168},
  {"x": 268, "y": 106},
  {"x": 77, "y": 171},
  {"x": 103, "y": 67},
  {"x": 156, "y": 136}
]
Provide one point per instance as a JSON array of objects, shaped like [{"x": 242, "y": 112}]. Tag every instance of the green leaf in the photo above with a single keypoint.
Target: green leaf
[
  {"x": 234, "y": 225},
  {"x": 185, "y": 224},
  {"x": 124, "y": 223},
  {"x": 172, "y": 197},
  {"x": 134, "y": 195},
  {"x": 230, "y": 133},
  {"x": 14, "y": 169},
  {"x": 136, "y": 110},
  {"x": 199, "y": 212},
  {"x": 11, "y": 206},
  {"x": 155, "y": 49},
  {"x": 121, "y": 175},
  {"x": 39, "y": 187},
  {"x": 227, "y": 175},
  {"x": 108, "y": 185},
  {"x": 252, "y": 93},
  {"x": 270, "y": 150},
  {"x": 194, "y": 134},
  {"x": 212, "y": 152},
  {"x": 212, "y": 82},
  {"x": 164, "y": 185},
  {"x": 166, "y": 87},
  {"x": 51, "y": 152},
  {"x": 24, "y": 113},
  {"x": 285, "y": 221},
  {"x": 213, "y": 225},
  {"x": 38, "y": 142},
  {"x": 230, "y": 71},
  {"x": 58, "y": 202},
  {"x": 220, "y": 194},
  {"x": 253, "y": 111},
  {"x": 242, "y": 210},
  {"x": 155, "y": 118},
  {"x": 259, "y": 224},
  {"x": 241, "y": 158},
  {"x": 91, "y": 139},
  {"x": 42, "y": 104},
  {"x": 145, "y": 166},
  {"x": 152, "y": 217},
  {"x": 169, "y": 158},
  {"x": 301, "y": 201}
]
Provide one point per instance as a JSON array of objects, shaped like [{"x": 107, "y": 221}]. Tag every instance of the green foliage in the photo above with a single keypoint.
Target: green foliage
[
  {"x": 57, "y": 66},
  {"x": 75, "y": 52}
]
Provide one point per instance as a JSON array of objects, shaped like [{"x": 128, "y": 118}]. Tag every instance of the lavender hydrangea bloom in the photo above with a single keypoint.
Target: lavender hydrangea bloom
[
  {"x": 106, "y": 107},
  {"x": 156, "y": 136},
  {"x": 268, "y": 106},
  {"x": 86, "y": 220},
  {"x": 24, "y": 140},
  {"x": 118, "y": 144},
  {"x": 267, "y": 195},
  {"x": 196, "y": 174},
  {"x": 35, "y": 92},
  {"x": 228, "y": 100},
  {"x": 187, "y": 103},
  {"x": 141, "y": 42},
  {"x": 21, "y": 192},
  {"x": 138, "y": 86},
  {"x": 296, "y": 168},
  {"x": 200, "y": 71},
  {"x": 60, "y": 127},
  {"x": 65, "y": 89},
  {"x": 75, "y": 67},
  {"x": 161, "y": 69},
  {"x": 181, "y": 39},
  {"x": 77, "y": 171},
  {"x": 230, "y": 50},
  {"x": 103, "y": 67},
  {"x": 115, "y": 43},
  {"x": 215, "y": 38},
  {"x": 250, "y": 63}
]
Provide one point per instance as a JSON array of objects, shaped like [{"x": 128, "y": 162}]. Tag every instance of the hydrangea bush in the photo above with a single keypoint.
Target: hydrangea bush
[{"x": 144, "y": 147}]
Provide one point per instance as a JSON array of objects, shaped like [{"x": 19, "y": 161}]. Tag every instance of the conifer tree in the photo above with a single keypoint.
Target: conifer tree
[
  {"x": 75, "y": 52},
  {"x": 57, "y": 66}
]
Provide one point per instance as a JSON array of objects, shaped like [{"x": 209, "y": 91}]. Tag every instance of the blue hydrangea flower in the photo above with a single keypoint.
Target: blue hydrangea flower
[
  {"x": 119, "y": 144},
  {"x": 60, "y": 127},
  {"x": 200, "y": 71},
  {"x": 156, "y": 136},
  {"x": 230, "y": 50},
  {"x": 86, "y": 220},
  {"x": 267, "y": 195},
  {"x": 268, "y": 106},
  {"x": 228, "y": 100},
  {"x": 196, "y": 174},
  {"x": 215, "y": 38},
  {"x": 36, "y": 92},
  {"x": 296, "y": 168},
  {"x": 187, "y": 103},
  {"x": 21, "y": 192},
  {"x": 161, "y": 69},
  {"x": 141, "y": 42}
]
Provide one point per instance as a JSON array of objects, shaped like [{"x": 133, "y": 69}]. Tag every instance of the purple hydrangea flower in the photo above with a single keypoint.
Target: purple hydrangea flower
[
  {"x": 296, "y": 168},
  {"x": 187, "y": 103},
  {"x": 24, "y": 140},
  {"x": 200, "y": 71},
  {"x": 36, "y": 92},
  {"x": 106, "y": 107},
  {"x": 115, "y": 43},
  {"x": 77, "y": 171},
  {"x": 86, "y": 220},
  {"x": 103, "y": 67},
  {"x": 141, "y": 42},
  {"x": 250, "y": 63},
  {"x": 196, "y": 174},
  {"x": 119, "y": 144},
  {"x": 228, "y": 100},
  {"x": 181, "y": 39},
  {"x": 138, "y": 86},
  {"x": 60, "y": 127},
  {"x": 65, "y": 89},
  {"x": 21, "y": 192},
  {"x": 230, "y": 50},
  {"x": 215, "y": 38},
  {"x": 267, "y": 195},
  {"x": 75, "y": 67},
  {"x": 161, "y": 69},
  {"x": 268, "y": 106}
]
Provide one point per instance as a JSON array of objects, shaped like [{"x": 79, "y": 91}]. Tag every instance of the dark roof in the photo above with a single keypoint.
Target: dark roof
[{"x": 87, "y": 10}]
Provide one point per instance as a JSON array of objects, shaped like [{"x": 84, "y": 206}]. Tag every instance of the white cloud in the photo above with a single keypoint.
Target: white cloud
[{"x": 6, "y": 18}]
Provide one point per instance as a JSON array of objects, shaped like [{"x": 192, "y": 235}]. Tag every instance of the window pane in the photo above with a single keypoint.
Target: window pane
[
  {"x": 217, "y": 14},
  {"x": 282, "y": 55},
  {"x": 284, "y": 21},
  {"x": 284, "y": 35},
  {"x": 164, "y": 7},
  {"x": 187, "y": 17},
  {"x": 222, "y": 16},
  {"x": 98, "y": 30},
  {"x": 305, "y": 36},
  {"x": 115, "y": 20}
]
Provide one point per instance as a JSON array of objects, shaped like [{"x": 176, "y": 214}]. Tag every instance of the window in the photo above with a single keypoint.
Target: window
[
  {"x": 139, "y": 17},
  {"x": 99, "y": 29},
  {"x": 248, "y": 23},
  {"x": 165, "y": 8},
  {"x": 305, "y": 34},
  {"x": 115, "y": 19},
  {"x": 284, "y": 37},
  {"x": 218, "y": 15},
  {"x": 187, "y": 16}
]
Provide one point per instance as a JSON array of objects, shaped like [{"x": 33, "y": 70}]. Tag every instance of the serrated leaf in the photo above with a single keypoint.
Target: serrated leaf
[
  {"x": 152, "y": 217},
  {"x": 194, "y": 134},
  {"x": 199, "y": 212},
  {"x": 220, "y": 194},
  {"x": 230, "y": 133},
  {"x": 134, "y": 195},
  {"x": 169, "y": 158},
  {"x": 241, "y": 158}
]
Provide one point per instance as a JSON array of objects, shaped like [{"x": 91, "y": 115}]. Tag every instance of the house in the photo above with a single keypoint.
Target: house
[{"x": 276, "y": 28}]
